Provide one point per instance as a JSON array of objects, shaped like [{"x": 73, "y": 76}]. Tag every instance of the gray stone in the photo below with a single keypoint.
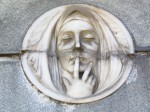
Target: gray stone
[
  {"x": 17, "y": 16},
  {"x": 18, "y": 95}
]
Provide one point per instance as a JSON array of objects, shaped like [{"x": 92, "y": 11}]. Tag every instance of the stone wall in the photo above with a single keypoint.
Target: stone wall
[{"x": 18, "y": 95}]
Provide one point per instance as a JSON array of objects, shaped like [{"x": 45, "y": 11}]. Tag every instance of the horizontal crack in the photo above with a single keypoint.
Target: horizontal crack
[
  {"x": 138, "y": 53},
  {"x": 17, "y": 55},
  {"x": 10, "y": 55}
]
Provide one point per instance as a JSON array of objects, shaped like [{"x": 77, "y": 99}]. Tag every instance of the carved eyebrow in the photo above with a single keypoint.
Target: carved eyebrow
[
  {"x": 60, "y": 38},
  {"x": 91, "y": 31},
  {"x": 65, "y": 33},
  {"x": 64, "y": 30},
  {"x": 61, "y": 33}
]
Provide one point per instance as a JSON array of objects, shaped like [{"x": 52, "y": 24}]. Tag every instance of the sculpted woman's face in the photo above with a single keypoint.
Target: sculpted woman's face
[{"x": 77, "y": 38}]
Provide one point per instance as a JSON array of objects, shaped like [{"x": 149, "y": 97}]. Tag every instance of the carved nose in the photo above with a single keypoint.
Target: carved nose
[
  {"x": 79, "y": 49},
  {"x": 77, "y": 44},
  {"x": 77, "y": 41}
]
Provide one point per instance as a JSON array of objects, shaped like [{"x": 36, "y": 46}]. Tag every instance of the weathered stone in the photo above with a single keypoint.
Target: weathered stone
[
  {"x": 17, "y": 16},
  {"x": 81, "y": 50},
  {"x": 17, "y": 94}
]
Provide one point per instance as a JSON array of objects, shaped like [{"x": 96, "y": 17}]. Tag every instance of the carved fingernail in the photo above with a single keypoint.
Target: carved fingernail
[{"x": 90, "y": 63}]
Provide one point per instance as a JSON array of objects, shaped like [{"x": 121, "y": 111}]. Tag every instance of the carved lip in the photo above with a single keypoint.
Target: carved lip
[{"x": 81, "y": 57}]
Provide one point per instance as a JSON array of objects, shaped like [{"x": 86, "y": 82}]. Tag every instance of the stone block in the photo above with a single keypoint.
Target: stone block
[
  {"x": 16, "y": 18},
  {"x": 18, "y": 94}
]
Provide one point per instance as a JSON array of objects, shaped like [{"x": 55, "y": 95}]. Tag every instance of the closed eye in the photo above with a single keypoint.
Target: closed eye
[
  {"x": 89, "y": 39},
  {"x": 66, "y": 39}
]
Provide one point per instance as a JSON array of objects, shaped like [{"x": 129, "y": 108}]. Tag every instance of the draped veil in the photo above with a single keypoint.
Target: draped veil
[{"x": 39, "y": 45}]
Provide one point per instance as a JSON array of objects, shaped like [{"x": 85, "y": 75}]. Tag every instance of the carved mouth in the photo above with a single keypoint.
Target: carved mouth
[{"x": 81, "y": 58}]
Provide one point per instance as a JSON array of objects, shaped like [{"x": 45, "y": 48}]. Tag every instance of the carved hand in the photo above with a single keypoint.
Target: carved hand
[{"x": 77, "y": 87}]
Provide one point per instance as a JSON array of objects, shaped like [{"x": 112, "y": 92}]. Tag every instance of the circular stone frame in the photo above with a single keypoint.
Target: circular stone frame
[{"x": 36, "y": 46}]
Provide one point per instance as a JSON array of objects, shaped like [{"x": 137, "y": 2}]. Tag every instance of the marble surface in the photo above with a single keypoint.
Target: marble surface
[
  {"x": 17, "y": 94},
  {"x": 17, "y": 16},
  {"x": 85, "y": 63}
]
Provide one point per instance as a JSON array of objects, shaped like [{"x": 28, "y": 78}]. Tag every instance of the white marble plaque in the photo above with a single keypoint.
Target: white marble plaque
[{"x": 77, "y": 53}]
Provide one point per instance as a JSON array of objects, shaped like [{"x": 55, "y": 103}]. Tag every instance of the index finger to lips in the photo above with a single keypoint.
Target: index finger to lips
[{"x": 76, "y": 68}]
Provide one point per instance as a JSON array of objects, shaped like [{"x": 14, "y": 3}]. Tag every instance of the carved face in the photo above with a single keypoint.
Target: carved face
[{"x": 77, "y": 38}]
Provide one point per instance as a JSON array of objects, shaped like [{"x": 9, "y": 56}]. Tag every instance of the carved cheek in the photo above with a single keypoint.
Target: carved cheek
[
  {"x": 66, "y": 46},
  {"x": 92, "y": 46}
]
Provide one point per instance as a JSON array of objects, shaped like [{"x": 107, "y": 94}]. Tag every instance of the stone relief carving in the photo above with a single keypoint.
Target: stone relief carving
[{"x": 77, "y": 53}]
